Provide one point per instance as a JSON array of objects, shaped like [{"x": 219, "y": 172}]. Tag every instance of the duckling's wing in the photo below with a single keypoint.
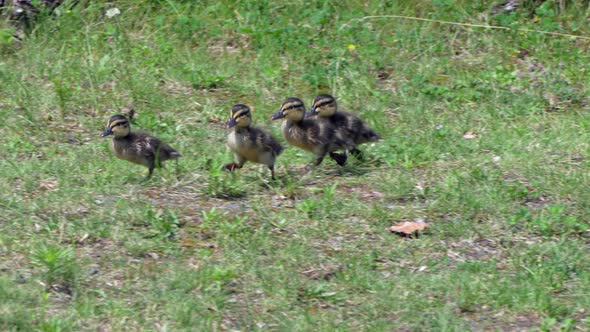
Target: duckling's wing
[
  {"x": 316, "y": 133},
  {"x": 324, "y": 134},
  {"x": 348, "y": 123},
  {"x": 266, "y": 141},
  {"x": 354, "y": 127},
  {"x": 151, "y": 147}
]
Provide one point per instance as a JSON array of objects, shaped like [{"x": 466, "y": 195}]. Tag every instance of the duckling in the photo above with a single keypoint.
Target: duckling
[
  {"x": 319, "y": 138},
  {"x": 249, "y": 143},
  {"x": 352, "y": 129},
  {"x": 136, "y": 146}
]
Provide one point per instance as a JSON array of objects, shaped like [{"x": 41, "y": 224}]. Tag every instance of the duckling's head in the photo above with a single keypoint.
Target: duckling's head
[
  {"x": 240, "y": 116},
  {"x": 118, "y": 125},
  {"x": 292, "y": 109},
  {"x": 323, "y": 105}
]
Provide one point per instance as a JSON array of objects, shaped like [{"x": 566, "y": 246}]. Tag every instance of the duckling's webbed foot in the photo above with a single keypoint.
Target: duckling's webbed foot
[
  {"x": 272, "y": 171},
  {"x": 232, "y": 166},
  {"x": 358, "y": 154},
  {"x": 340, "y": 158}
]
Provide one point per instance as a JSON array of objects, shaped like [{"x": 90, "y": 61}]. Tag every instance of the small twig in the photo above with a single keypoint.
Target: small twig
[{"x": 496, "y": 27}]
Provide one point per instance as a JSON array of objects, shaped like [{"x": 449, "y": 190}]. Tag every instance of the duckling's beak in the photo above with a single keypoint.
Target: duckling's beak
[
  {"x": 312, "y": 111},
  {"x": 278, "y": 115},
  {"x": 231, "y": 123},
  {"x": 107, "y": 132}
]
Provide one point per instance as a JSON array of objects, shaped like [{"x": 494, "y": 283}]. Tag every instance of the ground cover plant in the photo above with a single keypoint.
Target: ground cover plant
[{"x": 485, "y": 137}]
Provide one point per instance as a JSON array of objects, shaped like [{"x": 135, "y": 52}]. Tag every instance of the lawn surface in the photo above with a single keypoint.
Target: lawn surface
[{"x": 485, "y": 137}]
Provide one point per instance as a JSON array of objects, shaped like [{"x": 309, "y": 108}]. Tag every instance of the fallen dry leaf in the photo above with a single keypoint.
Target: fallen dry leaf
[
  {"x": 47, "y": 185},
  {"x": 82, "y": 238},
  {"x": 470, "y": 135},
  {"x": 408, "y": 228}
]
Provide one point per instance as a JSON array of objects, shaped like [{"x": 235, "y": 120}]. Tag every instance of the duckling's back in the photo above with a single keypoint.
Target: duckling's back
[
  {"x": 353, "y": 127},
  {"x": 266, "y": 140},
  {"x": 141, "y": 148},
  {"x": 312, "y": 136}
]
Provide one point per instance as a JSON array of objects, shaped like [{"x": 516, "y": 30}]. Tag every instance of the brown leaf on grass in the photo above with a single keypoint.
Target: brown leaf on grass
[
  {"x": 470, "y": 135},
  {"x": 408, "y": 228},
  {"x": 47, "y": 185},
  {"x": 81, "y": 239}
]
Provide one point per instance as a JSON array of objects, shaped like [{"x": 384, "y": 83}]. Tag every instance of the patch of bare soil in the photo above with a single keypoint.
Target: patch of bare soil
[
  {"x": 176, "y": 89},
  {"x": 238, "y": 43},
  {"x": 364, "y": 192},
  {"x": 188, "y": 202},
  {"x": 173, "y": 197},
  {"x": 502, "y": 321},
  {"x": 533, "y": 199},
  {"x": 474, "y": 249},
  {"x": 244, "y": 303},
  {"x": 322, "y": 271},
  {"x": 100, "y": 254},
  {"x": 14, "y": 263},
  {"x": 537, "y": 203}
]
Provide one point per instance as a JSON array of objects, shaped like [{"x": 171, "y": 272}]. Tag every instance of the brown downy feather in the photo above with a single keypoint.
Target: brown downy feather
[
  {"x": 349, "y": 127},
  {"x": 352, "y": 127},
  {"x": 319, "y": 138},
  {"x": 250, "y": 143},
  {"x": 136, "y": 146}
]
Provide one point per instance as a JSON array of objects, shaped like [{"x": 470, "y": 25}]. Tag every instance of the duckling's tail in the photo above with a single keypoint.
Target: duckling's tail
[
  {"x": 372, "y": 136},
  {"x": 276, "y": 147},
  {"x": 368, "y": 135}
]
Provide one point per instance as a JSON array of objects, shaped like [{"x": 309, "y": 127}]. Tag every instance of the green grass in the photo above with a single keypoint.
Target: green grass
[{"x": 86, "y": 244}]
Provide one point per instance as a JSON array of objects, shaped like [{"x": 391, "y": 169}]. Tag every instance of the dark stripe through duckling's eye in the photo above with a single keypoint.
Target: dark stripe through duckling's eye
[
  {"x": 239, "y": 109},
  {"x": 290, "y": 107},
  {"x": 323, "y": 103},
  {"x": 119, "y": 123},
  {"x": 240, "y": 113}
]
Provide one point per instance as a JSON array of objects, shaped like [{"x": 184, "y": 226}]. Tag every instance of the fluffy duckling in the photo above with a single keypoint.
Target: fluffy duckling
[
  {"x": 249, "y": 143},
  {"x": 351, "y": 128},
  {"x": 136, "y": 146},
  {"x": 319, "y": 138}
]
